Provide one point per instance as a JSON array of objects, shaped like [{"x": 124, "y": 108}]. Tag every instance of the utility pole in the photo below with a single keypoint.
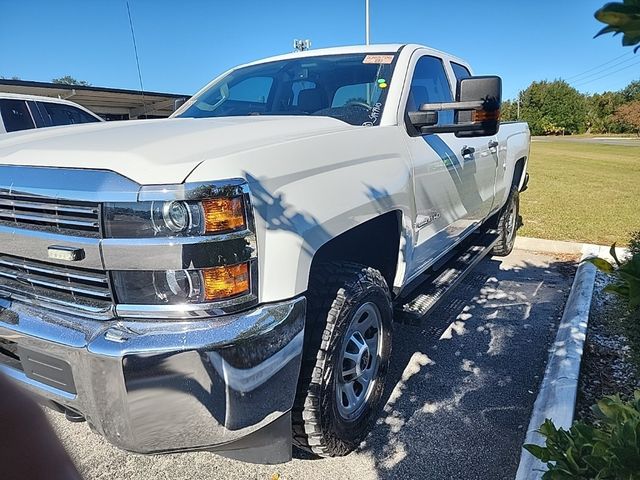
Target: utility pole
[
  {"x": 366, "y": 21},
  {"x": 518, "y": 115}
]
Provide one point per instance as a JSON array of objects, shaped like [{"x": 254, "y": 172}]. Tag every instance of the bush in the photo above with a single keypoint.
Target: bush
[
  {"x": 608, "y": 450},
  {"x": 626, "y": 276}
]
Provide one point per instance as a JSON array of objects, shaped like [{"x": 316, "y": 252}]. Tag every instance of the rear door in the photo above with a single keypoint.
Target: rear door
[{"x": 452, "y": 194}]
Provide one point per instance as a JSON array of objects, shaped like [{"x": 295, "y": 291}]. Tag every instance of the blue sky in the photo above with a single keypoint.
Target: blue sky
[{"x": 182, "y": 45}]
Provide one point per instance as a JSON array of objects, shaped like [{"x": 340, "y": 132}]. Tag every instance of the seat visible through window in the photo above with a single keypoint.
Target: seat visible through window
[{"x": 311, "y": 100}]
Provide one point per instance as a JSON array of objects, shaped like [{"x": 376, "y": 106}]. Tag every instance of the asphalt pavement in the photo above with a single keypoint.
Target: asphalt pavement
[{"x": 460, "y": 391}]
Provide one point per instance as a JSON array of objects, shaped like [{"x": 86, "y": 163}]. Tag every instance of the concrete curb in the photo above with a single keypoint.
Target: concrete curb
[
  {"x": 550, "y": 246},
  {"x": 556, "y": 246},
  {"x": 558, "y": 391}
]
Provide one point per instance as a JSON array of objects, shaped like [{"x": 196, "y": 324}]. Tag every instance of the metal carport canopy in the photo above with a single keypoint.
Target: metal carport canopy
[{"x": 98, "y": 99}]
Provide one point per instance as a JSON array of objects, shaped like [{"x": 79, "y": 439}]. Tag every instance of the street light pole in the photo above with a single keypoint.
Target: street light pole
[{"x": 366, "y": 15}]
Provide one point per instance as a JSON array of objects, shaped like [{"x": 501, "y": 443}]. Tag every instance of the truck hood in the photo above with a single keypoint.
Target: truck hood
[{"x": 156, "y": 151}]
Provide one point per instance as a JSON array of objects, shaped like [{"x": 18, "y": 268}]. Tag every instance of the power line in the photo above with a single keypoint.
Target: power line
[
  {"x": 579, "y": 84},
  {"x": 135, "y": 49},
  {"x": 606, "y": 69},
  {"x": 597, "y": 67}
]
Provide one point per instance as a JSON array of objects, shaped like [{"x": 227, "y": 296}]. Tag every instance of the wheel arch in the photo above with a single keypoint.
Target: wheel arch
[
  {"x": 519, "y": 170},
  {"x": 375, "y": 243}
]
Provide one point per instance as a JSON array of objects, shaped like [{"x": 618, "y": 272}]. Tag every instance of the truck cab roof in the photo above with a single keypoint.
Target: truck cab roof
[{"x": 348, "y": 49}]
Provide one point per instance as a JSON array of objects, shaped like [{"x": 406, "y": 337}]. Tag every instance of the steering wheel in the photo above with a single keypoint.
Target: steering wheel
[{"x": 357, "y": 103}]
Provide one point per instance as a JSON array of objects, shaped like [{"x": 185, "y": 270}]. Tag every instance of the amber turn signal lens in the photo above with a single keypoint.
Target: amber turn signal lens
[
  {"x": 223, "y": 214},
  {"x": 485, "y": 115},
  {"x": 225, "y": 282}
]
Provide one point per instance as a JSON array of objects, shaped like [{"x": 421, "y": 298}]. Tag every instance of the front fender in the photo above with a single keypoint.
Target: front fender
[{"x": 306, "y": 192}]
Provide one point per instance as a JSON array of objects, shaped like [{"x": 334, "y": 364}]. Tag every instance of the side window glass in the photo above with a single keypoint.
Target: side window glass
[
  {"x": 254, "y": 90},
  {"x": 460, "y": 71},
  {"x": 430, "y": 85},
  {"x": 15, "y": 115},
  {"x": 60, "y": 114}
]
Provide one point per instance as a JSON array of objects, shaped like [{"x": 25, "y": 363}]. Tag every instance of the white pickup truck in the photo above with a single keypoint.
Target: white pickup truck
[{"x": 226, "y": 279}]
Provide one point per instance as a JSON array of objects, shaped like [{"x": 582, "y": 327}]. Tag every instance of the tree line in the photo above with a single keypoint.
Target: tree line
[{"x": 556, "y": 108}]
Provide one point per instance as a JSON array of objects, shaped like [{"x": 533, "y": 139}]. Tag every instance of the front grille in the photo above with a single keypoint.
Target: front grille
[
  {"x": 59, "y": 216},
  {"x": 62, "y": 285}
]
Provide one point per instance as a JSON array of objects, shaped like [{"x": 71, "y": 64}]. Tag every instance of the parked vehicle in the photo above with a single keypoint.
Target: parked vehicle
[
  {"x": 26, "y": 112},
  {"x": 226, "y": 279}
]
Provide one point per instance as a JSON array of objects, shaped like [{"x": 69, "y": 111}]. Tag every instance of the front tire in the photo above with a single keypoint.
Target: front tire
[
  {"x": 346, "y": 357},
  {"x": 508, "y": 224}
]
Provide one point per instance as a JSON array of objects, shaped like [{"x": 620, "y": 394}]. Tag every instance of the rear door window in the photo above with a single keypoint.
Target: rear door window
[
  {"x": 15, "y": 115},
  {"x": 61, "y": 114},
  {"x": 460, "y": 71}
]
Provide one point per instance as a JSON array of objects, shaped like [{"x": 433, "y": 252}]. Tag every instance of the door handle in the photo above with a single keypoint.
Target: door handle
[
  {"x": 466, "y": 151},
  {"x": 493, "y": 144}
]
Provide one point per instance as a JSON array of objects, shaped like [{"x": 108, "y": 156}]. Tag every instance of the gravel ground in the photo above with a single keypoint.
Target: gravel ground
[
  {"x": 607, "y": 367},
  {"x": 460, "y": 392}
]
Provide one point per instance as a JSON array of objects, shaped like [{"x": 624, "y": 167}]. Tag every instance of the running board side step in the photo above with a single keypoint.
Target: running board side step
[{"x": 413, "y": 305}]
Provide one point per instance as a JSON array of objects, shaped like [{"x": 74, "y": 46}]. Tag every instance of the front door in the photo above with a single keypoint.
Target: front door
[{"x": 454, "y": 177}]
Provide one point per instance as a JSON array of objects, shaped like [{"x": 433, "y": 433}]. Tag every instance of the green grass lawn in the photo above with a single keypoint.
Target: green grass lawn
[{"x": 582, "y": 192}]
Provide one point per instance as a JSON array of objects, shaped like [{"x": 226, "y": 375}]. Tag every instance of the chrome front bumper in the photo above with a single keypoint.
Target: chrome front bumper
[{"x": 160, "y": 386}]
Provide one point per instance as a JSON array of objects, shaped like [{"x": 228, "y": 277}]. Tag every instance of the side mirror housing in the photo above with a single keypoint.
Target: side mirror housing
[
  {"x": 177, "y": 103},
  {"x": 422, "y": 119},
  {"x": 485, "y": 120},
  {"x": 476, "y": 109}
]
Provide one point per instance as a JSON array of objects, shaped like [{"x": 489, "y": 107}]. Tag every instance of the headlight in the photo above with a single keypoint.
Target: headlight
[
  {"x": 181, "y": 286},
  {"x": 174, "y": 218},
  {"x": 201, "y": 257}
]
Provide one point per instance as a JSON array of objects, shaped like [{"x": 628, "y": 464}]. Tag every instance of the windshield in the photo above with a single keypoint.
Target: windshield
[{"x": 351, "y": 88}]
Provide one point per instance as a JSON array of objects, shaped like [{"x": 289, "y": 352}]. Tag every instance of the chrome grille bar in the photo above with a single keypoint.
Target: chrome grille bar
[
  {"x": 50, "y": 214},
  {"x": 52, "y": 207},
  {"x": 53, "y": 270},
  {"x": 47, "y": 219},
  {"x": 72, "y": 282},
  {"x": 34, "y": 280}
]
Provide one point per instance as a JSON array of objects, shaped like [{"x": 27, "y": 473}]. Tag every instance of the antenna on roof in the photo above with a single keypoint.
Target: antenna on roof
[
  {"x": 301, "y": 45},
  {"x": 135, "y": 50}
]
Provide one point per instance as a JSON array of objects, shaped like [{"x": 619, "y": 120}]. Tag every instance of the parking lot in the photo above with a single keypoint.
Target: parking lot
[{"x": 460, "y": 391}]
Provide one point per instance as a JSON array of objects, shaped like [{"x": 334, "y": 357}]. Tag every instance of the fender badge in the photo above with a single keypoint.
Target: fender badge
[{"x": 70, "y": 254}]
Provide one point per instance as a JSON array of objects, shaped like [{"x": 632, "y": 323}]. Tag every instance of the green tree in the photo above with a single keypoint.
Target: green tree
[
  {"x": 631, "y": 92},
  {"x": 69, "y": 80},
  {"x": 509, "y": 111},
  {"x": 601, "y": 108},
  {"x": 553, "y": 107}
]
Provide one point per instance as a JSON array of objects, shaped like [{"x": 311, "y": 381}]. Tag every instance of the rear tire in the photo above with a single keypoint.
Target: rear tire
[
  {"x": 345, "y": 360},
  {"x": 507, "y": 225}
]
